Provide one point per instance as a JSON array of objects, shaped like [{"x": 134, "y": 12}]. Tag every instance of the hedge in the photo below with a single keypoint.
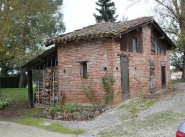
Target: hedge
[{"x": 9, "y": 82}]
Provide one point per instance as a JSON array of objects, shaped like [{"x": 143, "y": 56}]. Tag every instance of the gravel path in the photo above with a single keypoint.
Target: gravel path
[
  {"x": 108, "y": 119},
  {"x": 9, "y": 129},
  {"x": 160, "y": 120}
]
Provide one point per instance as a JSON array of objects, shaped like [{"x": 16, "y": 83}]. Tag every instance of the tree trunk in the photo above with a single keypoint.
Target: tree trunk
[
  {"x": 22, "y": 81},
  {"x": 182, "y": 27},
  {"x": 183, "y": 69}
]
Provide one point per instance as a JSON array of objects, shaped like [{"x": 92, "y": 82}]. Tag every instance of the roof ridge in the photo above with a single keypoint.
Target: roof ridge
[{"x": 103, "y": 29}]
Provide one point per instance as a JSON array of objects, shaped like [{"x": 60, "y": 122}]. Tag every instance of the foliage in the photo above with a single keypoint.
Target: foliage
[
  {"x": 67, "y": 107},
  {"x": 31, "y": 113},
  {"x": 4, "y": 101},
  {"x": 177, "y": 61},
  {"x": 5, "y": 82},
  {"x": 16, "y": 94},
  {"x": 48, "y": 126},
  {"x": 106, "y": 10},
  {"x": 89, "y": 92},
  {"x": 177, "y": 81},
  {"x": 135, "y": 106},
  {"x": 108, "y": 82},
  {"x": 25, "y": 24}
]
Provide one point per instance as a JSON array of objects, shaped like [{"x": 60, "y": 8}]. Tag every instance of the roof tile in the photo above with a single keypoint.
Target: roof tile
[{"x": 104, "y": 29}]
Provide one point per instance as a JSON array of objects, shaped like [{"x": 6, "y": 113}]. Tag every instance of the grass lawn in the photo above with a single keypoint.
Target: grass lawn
[
  {"x": 23, "y": 115},
  {"x": 49, "y": 126},
  {"x": 16, "y": 94}
]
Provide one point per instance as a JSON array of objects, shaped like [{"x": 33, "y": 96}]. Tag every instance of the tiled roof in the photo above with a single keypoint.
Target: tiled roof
[{"x": 104, "y": 29}]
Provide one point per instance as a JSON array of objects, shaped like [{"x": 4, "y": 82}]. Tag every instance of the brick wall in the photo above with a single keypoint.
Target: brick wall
[
  {"x": 98, "y": 53},
  {"x": 139, "y": 67},
  {"x": 101, "y": 53}
]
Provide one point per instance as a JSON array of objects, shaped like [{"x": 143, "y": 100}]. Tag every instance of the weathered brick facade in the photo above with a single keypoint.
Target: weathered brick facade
[{"x": 103, "y": 56}]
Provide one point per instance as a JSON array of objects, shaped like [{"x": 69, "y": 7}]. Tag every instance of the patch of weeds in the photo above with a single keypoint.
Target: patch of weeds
[
  {"x": 163, "y": 119},
  {"x": 89, "y": 91},
  {"x": 4, "y": 101},
  {"x": 108, "y": 82},
  {"x": 31, "y": 113},
  {"x": 135, "y": 106},
  {"x": 152, "y": 123},
  {"x": 67, "y": 107},
  {"x": 177, "y": 81},
  {"x": 49, "y": 126}
]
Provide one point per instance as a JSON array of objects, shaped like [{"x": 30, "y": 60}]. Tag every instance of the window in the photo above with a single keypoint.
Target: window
[
  {"x": 134, "y": 44},
  {"x": 84, "y": 70},
  {"x": 158, "y": 48},
  {"x": 132, "y": 41},
  {"x": 155, "y": 47}
]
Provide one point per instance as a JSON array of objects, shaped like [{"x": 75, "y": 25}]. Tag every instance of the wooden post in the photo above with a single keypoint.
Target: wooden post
[{"x": 30, "y": 89}]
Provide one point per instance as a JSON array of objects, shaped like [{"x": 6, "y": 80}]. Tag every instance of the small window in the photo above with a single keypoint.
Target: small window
[
  {"x": 84, "y": 70},
  {"x": 134, "y": 44},
  {"x": 155, "y": 47}
]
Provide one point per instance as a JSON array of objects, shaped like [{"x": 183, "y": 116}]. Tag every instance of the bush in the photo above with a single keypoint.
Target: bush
[
  {"x": 108, "y": 82},
  {"x": 68, "y": 108},
  {"x": 4, "y": 101},
  {"x": 9, "y": 82}
]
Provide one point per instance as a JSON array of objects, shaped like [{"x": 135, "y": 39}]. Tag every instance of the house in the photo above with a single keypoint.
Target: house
[{"x": 135, "y": 53}]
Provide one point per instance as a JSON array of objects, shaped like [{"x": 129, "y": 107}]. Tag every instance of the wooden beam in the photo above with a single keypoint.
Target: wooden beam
[{"x": 30, "y": 89}]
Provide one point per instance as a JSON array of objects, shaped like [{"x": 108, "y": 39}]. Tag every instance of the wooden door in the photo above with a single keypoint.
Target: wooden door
[
  {"x": 152, "y": 79},
  {"x": 163, "y": 76},
  {"x": 125, "y": 77}
]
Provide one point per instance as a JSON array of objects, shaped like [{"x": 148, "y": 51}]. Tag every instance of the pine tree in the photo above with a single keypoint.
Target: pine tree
[{"x": 107, "y": 11}]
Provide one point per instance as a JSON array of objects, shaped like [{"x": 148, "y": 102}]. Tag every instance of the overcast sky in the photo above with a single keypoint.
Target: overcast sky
[{"x": 79, "y": 13}]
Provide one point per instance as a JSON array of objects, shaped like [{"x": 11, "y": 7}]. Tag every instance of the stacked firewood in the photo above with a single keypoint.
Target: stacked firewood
[{"x": 46, "y": 91}]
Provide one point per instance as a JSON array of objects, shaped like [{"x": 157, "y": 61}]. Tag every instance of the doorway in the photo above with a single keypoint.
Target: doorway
[
  {"x": 125, "y": 77},
  {"x": 163, "y": 76},
  {"x": 152, "y": 77}
]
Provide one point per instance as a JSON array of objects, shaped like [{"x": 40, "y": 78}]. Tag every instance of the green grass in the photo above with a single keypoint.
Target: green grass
[
  {"x": 31, "y": 113},
  {"x": 153, "y": 123},
  {"x": 4, "y": 101},
  {"x": 16, "y": 94},
  {"x": 135, "y": 106},
  {"x": 48, "y": 126},
  {"x": 177, "y": 81}
]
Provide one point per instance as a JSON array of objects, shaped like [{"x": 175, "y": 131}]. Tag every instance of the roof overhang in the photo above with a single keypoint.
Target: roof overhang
[{"x": 42, "y": 60}]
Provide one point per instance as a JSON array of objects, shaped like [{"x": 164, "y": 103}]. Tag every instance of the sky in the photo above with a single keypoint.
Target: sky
[{"x": 79, "y": 13}]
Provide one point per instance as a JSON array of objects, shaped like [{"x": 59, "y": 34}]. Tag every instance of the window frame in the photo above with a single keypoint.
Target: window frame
[
  {"x": 84, "y": 70},
  {"x": 134, "y": 41}
]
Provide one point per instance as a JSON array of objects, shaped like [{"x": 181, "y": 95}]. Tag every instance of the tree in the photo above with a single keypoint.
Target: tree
[
  {"x": 107, "y": 11},
  {"x": 172, "y": 14},
  {"x": 31, "y": 21}
]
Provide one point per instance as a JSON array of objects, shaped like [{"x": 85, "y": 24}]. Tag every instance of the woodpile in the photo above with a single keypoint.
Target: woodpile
[{"x": 46, "y": 90}]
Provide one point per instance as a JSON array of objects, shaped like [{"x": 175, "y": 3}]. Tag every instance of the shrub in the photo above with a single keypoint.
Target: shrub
[
  {"x": 108, "y": 82},
  {"x": 89, "y": 92},
  {"x": 67, "y": 107},
  {"x": 4, "y": 101}
]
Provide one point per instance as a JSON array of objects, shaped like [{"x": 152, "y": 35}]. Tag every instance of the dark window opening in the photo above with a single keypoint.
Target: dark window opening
[
  {"x": 155, "y": 46},
  {"x": 132, "y": 41},
  {"x": 158, "y": 47},
  {"x": 84, "y": 70},
  {"x": 134, "y": 44}
]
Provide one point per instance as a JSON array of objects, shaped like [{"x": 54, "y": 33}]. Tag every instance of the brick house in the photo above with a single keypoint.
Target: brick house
[{"x": 136, "y": 53}]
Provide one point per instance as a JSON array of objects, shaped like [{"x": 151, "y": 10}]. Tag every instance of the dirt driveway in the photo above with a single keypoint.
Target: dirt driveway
[{"x": 8, "y": 129}]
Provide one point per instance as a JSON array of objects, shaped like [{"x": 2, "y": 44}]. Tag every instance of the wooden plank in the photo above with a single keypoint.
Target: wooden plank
[
  {"x": 125, "y": 77},
  {"x": 30, "y": 89}
]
